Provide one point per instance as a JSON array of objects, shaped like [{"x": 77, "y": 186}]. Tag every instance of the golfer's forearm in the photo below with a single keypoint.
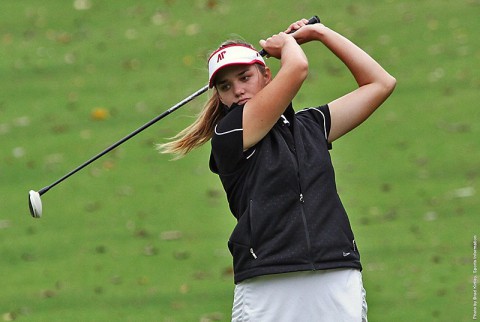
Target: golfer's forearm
[{"x": 294, "y": 63}]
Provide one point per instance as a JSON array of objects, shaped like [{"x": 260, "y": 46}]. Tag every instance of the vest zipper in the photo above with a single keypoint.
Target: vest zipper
[
  {"x": 302, "y": 201},
  {"x": 305, "y": 225},
  {"x": 252, "y": 242}
]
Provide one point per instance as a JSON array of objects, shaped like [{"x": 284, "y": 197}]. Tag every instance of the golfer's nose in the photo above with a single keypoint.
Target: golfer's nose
[{"x": 238, "y": 90}]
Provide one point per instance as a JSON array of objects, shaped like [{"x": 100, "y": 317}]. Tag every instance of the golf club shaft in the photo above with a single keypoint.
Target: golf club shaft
[
  {"x": 126, "y": 138},
  {"x": 199, "y": 92}
]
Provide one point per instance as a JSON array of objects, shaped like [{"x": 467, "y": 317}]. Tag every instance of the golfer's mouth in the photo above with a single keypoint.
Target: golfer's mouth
[{"x": 243, "y": 101}]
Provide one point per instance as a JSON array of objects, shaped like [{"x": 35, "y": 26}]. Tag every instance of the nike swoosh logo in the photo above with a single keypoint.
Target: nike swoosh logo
[{"x": 346, "y": 254}]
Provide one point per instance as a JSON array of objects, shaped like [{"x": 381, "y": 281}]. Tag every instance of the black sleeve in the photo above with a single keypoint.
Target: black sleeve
[
  {"x": 227, "y": 142},
  {"x": 321, "y": 116}
]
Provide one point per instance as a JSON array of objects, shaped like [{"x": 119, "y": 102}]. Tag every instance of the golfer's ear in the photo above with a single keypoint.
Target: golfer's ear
[{"x": 267, "y": 75}]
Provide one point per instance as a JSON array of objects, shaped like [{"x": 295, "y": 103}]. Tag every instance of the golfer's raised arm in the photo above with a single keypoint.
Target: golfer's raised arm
[
  {"x": 266, "y": 107},
  {"x": 374, "y": 83}
]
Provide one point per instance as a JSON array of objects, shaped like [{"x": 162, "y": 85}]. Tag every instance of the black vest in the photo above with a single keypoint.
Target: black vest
[{"x": 283, "y": 194}]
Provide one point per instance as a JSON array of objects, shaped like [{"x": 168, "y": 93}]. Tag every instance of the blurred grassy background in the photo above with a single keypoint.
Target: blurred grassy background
[{"x": 137, "y": 237}]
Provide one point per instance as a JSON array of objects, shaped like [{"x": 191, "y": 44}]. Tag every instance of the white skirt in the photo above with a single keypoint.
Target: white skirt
[{"x": 312, "y": 296}]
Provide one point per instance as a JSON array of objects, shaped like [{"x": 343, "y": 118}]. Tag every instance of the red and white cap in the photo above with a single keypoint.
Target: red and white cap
[{"x": 235, "y": 54}]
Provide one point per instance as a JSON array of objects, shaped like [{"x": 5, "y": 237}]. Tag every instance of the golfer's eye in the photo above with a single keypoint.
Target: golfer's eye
[
  {"x": 223, "y": 87},
  {"x": 246, "y": 76}
]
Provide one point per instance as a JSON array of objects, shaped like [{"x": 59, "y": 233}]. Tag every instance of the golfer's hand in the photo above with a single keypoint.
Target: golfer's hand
[
  {"x": 278, "y": 43},
  {"x": 303, "y": 32}
]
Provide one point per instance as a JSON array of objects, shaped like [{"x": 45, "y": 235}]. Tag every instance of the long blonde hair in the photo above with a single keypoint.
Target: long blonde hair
[{"x": 200, "y": 131}]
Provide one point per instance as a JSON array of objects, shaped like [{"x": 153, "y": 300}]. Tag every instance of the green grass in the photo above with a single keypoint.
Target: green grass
[{"x": 408, "y": 177}]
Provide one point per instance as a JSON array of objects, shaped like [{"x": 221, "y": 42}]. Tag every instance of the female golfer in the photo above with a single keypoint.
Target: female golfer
[{"x": 294, "y": 253}]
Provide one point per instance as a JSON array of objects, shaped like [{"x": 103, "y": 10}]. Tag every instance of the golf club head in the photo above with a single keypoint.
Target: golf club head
[{"x": 35, "y": 204}]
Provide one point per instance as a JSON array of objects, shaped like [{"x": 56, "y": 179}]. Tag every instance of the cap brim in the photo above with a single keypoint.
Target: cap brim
[{"x": 246, "y": 63}]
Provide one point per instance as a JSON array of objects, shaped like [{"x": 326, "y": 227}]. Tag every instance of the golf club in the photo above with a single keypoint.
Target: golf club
[{"x": 34, "y": 200}]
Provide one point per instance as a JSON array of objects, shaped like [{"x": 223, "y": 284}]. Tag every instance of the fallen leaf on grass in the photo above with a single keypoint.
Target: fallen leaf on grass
[
  {"x": 93, "y": 206},
  {"x": 86, "y": 134},
  {"x": 28, "y": 257},
  {"x": 9, "y": 316},
  {"x": 22, "y": 121},
  {"x": 455, "y": 127},
  {"x": 200, "y": 275},
  {"x": 187, "y": 60},
  {"x": 464, "y": 192},
  {"x": 437, "y": 74},
  {"x": 59, "y": 128},
  {"x": 436, "y": 259},
  {"x": 227, "y": 271},
  {"x": 7, "y": 39},
  {"x": 192, "y": 29},
  {"x": 82, "y": 4},
  {"x": 53, "y": 159},
  {"x": 181, "y": 254},
  {"x": 4, "y": 128},
  {"x": 171, "y": 235},
  {"x": 131, "y": 64},
  {"x": 4, "y": 224},
  {"x": 108, "y": 164},
  {"x": 70, "y": 58},
  {"x": 124, "y": 191},
  {"x": 59, "y": 285},
  {"x": 430, "y": 216},
  {"x": 141, "y": 233},
  {"x": 116, "y": 280},
  {"x": 158, "y": 18},
  {"x": 212, "y": 4},
  {"x": 215, "y": 316},
  {"x": 178, "y": 305},
  {"x": 31, "y": 230},
  {"x": 99, "y": 114},
  {"x": 214, "y": 193},
  {"x": 101, "y": 249},
  {"x": 386, "y": 187},
  {"x": 184, "y": 288},
  {"x": 48, "y": 294},
  {"x": 63, "y": 37},
  {"x": 364, "y": 221},
  {"x": 143, "y": 280},
  {"x": 150, "y": 250},
  {"x": 131, "y": 34}
]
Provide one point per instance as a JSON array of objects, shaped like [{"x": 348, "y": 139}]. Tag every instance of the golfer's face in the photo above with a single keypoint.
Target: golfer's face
[{"x": 239, "y": 83}]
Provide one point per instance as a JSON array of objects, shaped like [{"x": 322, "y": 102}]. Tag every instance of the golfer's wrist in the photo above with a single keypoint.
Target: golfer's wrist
[{"x": 319, "y": 32}]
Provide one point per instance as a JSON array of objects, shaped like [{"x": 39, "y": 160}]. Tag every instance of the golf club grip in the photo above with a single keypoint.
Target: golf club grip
[{"x": 311, "y": 21}]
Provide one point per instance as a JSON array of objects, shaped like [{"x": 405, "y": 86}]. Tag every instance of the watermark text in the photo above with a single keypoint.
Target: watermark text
[{"x": 475, "y": 272}]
